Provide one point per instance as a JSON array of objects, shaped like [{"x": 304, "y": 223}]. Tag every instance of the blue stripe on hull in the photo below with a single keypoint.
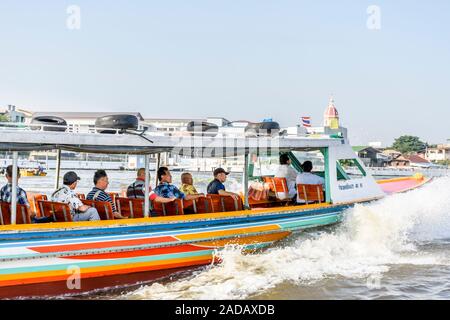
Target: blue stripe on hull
[{"x": 162, "y": 228}]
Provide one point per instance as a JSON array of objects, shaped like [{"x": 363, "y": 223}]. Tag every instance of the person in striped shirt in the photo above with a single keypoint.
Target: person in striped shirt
[{"x": 98, "y": 193}]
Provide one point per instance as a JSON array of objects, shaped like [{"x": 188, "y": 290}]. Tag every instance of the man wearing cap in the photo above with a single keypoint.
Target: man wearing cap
[
  {"x": 217, "y": 187},
  {"x": 66, "y": 194}
]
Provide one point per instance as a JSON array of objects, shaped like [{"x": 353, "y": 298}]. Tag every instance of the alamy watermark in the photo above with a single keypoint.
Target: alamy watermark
[
  {"x": 374, "y": 19},
  {"x": 74, "y": 280},
  {"x": 374, "y": 282},
  {"x": 73, "y": 21}
]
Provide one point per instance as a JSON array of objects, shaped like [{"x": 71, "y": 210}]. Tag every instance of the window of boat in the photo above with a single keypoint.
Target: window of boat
[
  {"x": 268, "y": 165},
  {"x": 349, "y": 169}
]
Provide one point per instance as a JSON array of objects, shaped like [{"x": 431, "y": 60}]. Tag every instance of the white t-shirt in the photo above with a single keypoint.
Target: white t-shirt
[
  {"x": 308, "y": 178},
  {"x": 286, "y": 171}
]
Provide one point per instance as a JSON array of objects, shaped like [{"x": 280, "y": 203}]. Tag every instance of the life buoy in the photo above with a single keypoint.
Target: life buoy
[
  {"x": 202, "y": 128},
  {"x": 49, "y": 123},
  {"x": 268, "y": 128},
  {"x": 119, "y": 122}
]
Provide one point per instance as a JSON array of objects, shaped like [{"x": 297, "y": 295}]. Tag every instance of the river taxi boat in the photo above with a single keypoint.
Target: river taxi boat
[{"x": 65, "y": 257}]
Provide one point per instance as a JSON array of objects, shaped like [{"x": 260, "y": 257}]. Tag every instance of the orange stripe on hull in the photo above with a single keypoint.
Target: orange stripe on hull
[
  {"x": 52, "y": 276},
  {"x": 99, "y": 245},
  {"x": 138, "y": 253},
  {"x": 247, "y": 240},
  {"x": 211, "y": 234}
]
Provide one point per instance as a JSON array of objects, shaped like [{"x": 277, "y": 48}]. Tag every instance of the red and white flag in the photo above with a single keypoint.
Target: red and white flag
[{"x": 306, "y": 122}]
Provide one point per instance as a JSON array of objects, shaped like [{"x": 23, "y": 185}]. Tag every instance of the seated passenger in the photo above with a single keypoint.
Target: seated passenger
[
  {"x": 137, "y": 189},
  {"x": 187, "y": 184},
  {"x": 6, "y": 191},
  {"x": 217, "y": 187},
  {"x": 286, "y": 171},
  {"x": 306, "y": 177},
  {"x": 66, "y": 194},
  {"x": 166, "y": 189},
  {"x": 98, "y": 193}
]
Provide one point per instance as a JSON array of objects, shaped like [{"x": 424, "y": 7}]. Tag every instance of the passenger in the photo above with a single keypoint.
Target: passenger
[
  {"x": 6, "y": 191},
  {"x": 166, "y": 189},
  {"x": 66, "y": 194},
  {"x": 286, "y": 171},
  {"x": 217, "y": 187},
  {"x": 306, "y": 177},
  {"x": 98, "y": 193},
  {"x": 187, "y": 184},
  {"x": 137, "y": 189}
]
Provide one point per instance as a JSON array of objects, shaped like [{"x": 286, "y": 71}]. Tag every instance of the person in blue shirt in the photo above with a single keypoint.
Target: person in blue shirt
[
  {"x": 217, "y": 187},
  {"x": 166, "y": 189}
]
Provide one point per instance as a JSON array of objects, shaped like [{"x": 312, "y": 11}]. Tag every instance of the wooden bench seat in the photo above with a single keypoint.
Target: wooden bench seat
[
  {"x": 22, "y": 214},
  {"x": 58, "y": 210},
  {"x": 104, "y": 208}
]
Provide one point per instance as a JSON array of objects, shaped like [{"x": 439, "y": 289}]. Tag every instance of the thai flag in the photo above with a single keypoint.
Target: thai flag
[{"x": 306, "y": 122}]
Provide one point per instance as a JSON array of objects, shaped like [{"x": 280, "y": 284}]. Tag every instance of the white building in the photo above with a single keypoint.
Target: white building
[
  {"x": 16, "y": 115},
  {"x": 441, "y": 153}
]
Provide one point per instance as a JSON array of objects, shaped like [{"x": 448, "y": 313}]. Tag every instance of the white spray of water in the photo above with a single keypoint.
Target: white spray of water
[{"x": 371, "y": 239}]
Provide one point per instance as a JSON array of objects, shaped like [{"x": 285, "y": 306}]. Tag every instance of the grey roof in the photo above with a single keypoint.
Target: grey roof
[{"x": 76, "y": 115}]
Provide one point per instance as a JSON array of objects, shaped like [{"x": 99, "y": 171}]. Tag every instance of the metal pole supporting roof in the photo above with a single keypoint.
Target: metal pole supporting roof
[
  {"x": 58, "y": 168},
  {"x": 14, "y": 188},
  {"x": 147, "y": 187},
  {"x": 245, "y": 180}
]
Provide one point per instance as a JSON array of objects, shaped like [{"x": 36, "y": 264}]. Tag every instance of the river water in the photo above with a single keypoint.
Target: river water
[{"x": 396, "y": 248}]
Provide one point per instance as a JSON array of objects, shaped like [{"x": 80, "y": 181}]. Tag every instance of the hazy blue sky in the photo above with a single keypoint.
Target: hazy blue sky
[{"x": 248, "y": 59}]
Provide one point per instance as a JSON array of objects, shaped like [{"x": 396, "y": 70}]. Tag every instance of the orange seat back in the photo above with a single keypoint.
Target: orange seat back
[
  {"x": 280, "y": 188},
  {"x": 104, "y": 208},
  {"x": 310, "y": 193},
  {"x": 223, "y": 203},
  {"x": 200, "y": 205},
  {"x": 58, "y": 210},
  {"x": 216, "y": 201},
  {"x": 174, "y": 208},
  {"x": 203, "y": 205},
  {"x": 269, "y": 181},
  {"x": 130, "y": 208},
  {"x": 34, "y": 204},
  {"x": 22, "y": 214}
]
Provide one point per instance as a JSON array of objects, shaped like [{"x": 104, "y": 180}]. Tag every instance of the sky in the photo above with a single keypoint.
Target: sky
[{"x": 388, "y": 71}]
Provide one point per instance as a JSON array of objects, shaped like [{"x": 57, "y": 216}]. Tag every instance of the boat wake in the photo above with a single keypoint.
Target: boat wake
[{"x": 372, "y": 239}]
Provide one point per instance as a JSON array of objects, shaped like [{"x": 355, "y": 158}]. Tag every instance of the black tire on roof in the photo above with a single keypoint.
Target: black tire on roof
[
  {"x": 202, "y": 128},
  {"x": 49, "y": 123},
  {"x": 119, "y": 122},
  {"x": 268, "y": 128}
]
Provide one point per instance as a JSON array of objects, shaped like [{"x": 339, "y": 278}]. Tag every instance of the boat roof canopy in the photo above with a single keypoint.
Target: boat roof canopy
[{"x": 152, "y": 143}]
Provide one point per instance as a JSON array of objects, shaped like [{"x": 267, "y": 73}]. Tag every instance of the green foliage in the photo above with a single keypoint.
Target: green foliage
[
  {"x": 4, "y": 118},
  {"x": 409, "y": 144}
]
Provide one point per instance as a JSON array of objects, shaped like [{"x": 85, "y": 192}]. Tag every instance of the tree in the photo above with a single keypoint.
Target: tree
[
  {"x": 4, "y": 118},
  {"x": 409, "y": 144}
]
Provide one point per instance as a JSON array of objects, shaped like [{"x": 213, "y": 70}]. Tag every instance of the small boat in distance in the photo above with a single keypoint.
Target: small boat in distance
[
  {"x": 65, "y": 257},
  {"x": 32, "y": 173}
]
